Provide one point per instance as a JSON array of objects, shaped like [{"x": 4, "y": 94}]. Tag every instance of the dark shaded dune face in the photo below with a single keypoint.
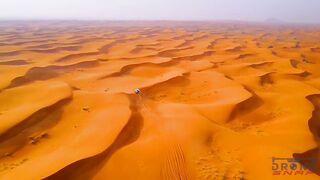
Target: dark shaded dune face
[
  {"x": 53, "y": 50},
  {"x": 314, "y": 123},
  {"x": 236, "y": 49},
  {"x": 157, "y": 100},
  {"x": 246, "y": 107},
  {"x": 158, "y": 91},
  {"x": 266, "y": 79},
  {"x": 75, "y": 56},
  {"x": 316, "y": 50},
  {"x": 42, "y": 46},
  {"x": 314, "y": 126},
  {"x": 90, "y": 166},
  {"x": 45, "y": 73},
  {"x": 262, "y": 65},
  {"x": 242, "y": 56},
  {"x": 294, "y": 63},
  {"x": 58, "y": 49},
  {"x": 172, "y": 52},
  {"x": 105, "y": 49},
  {"x": 32, "y": 130},
  {"x": 126, "y": 70},
  {"x": 14, "y": 62},
  {"x": 204, "y": 55},
  {"x": 13, "y": 53}
]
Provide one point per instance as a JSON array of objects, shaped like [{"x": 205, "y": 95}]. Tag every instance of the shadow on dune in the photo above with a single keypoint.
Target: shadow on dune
[
  {"x": 14, "y": 63},
  {"x": 49, "y": 72},
  {"x": 310, "y": 154},
  {"x": 247, "y": 106},
  {"x": 87, "y": 168},
  {"x": 314, "y": 126},
  {"x": 25, "y": 132}
]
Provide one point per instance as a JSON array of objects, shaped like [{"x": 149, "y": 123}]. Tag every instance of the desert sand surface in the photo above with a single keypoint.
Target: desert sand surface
[{"x": 218, "y": 100}]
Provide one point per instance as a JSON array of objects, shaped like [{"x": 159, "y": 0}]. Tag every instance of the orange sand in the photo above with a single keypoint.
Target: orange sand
[{"x": 218, "y": 100}]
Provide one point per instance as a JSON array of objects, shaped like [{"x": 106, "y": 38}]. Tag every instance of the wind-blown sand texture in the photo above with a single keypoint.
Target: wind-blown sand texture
[{"x": 218, "y": 100}]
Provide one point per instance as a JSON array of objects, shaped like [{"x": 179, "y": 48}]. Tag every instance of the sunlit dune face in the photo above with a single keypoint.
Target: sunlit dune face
[{"x": 157, "y": 101}]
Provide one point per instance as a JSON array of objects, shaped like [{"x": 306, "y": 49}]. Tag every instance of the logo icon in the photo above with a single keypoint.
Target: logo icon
[{"x": 293, "y": 166}]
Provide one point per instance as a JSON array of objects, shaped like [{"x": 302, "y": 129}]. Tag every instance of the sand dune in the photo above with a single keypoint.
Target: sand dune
[{"x": 217, "y": 101}]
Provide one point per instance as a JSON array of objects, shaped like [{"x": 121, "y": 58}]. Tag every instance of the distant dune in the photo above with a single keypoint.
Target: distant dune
[
  {"x": 274, "y": 21},
  {"x": 217, "y": 101}
]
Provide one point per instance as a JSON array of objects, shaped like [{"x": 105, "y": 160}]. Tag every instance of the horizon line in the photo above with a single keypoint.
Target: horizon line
[{"x": 267, "y": 21}]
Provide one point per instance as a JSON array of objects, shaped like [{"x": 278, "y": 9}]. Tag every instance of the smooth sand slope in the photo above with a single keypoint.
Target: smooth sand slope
[{"x": 218, "y": 100}]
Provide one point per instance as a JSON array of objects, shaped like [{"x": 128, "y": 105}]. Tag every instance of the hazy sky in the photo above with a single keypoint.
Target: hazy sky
[{"x": 306, "y": 11}]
